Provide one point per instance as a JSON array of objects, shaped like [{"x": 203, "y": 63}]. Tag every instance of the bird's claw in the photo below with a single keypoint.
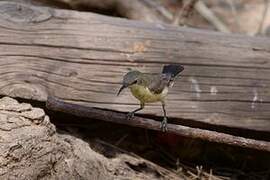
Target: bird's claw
[
  {"x": 130, "y": 115},
  {"x": 163, "y": 125}
]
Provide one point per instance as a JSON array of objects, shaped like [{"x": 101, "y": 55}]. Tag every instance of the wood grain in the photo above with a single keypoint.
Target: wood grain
[{"x": 81, "y": 58}]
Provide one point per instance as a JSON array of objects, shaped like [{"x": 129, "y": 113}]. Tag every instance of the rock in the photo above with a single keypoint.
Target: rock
[{"x": 35, "y": 151}]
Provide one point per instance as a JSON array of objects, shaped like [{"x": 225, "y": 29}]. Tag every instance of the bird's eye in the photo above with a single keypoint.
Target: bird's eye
[{"x": 135, "y": 82}]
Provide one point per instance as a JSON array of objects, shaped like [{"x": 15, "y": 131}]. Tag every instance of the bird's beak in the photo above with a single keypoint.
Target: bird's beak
[{"x": 122, "y": 87}]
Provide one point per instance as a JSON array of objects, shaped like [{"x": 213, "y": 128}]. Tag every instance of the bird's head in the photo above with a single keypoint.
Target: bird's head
[{"x": 129, "y": 79}]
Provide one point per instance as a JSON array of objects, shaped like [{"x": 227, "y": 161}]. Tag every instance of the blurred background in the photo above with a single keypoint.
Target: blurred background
[{"x": 250, "y": 17}]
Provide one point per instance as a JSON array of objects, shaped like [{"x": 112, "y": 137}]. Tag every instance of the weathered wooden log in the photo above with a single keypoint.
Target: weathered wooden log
[{"x": 81, "y": 57}]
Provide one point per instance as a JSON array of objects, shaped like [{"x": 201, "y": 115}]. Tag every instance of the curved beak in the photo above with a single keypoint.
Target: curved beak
[{"x": 122, "y": 87}]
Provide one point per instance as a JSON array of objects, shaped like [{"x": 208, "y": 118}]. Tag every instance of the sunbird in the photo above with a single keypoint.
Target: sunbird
[{"x": 149, "y": 88}]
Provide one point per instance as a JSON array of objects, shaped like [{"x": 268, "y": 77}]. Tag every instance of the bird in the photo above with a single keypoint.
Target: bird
[{"x": 150, "y": 88}]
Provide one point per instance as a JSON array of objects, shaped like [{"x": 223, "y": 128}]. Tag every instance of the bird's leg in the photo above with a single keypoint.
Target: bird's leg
[
  {"x": 130, "y": 115},
  {"x": 163, "y": 124}
]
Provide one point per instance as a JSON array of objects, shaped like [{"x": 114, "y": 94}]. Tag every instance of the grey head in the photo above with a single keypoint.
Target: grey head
[{"x": 129, "y": 78}]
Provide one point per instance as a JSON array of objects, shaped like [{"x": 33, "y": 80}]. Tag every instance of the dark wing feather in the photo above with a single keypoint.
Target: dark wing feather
[
  {"x": 158, "y": 83},
  {"x": 172, "y": 69}
]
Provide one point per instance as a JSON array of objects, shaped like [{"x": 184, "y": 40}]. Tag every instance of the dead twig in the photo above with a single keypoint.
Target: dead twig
[
  {"x": 120, "y": 118},
  {"x": 266, "y": 7},
  {"x": 121, "y": 140},
  {"x": 134, "y": 159},
  {"x": 185, "y": 12},
  {"x": 211, "y": 17},
  {"x": 234, "y": 13},
  {"x": 159, "y": 8}
]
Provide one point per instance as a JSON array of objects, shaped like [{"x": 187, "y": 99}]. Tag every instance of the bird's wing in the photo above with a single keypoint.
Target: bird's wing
[{"x": 158, "y": 83}]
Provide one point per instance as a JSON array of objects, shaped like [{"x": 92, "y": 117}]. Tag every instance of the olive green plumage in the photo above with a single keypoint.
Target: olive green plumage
[{"x": 148, "y": 88}]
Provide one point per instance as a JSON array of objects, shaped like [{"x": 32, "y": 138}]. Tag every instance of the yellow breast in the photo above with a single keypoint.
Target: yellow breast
[{"x": 144, "y": 95}]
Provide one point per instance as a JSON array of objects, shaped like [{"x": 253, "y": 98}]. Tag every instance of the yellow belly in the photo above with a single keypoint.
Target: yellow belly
[{"x": 144, "y": 95}]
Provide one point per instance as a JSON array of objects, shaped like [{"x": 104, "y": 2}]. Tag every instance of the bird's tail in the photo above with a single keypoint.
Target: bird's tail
[{"x": 172, "y": 69}]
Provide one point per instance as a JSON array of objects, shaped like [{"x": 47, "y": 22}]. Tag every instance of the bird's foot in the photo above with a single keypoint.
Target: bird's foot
[
  {"x": 130, "y": 115},
  {"x": 163, "y": 125}
]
